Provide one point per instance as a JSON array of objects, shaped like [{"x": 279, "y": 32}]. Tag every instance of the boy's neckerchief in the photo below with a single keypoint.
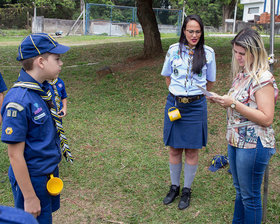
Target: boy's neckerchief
[
  {"x": 57, "y": 97},
  {"x": 47, "y": 96}
]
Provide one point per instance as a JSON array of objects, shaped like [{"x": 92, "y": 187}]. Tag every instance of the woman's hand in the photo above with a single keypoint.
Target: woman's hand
[
  {"x": 213, "y": 97},
  {"x": 224, "y": 101}
]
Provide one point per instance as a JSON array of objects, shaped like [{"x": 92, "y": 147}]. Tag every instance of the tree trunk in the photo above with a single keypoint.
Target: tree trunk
[
  {"x": 147, "y": 19},
  {"x": 227, "y": 11}
]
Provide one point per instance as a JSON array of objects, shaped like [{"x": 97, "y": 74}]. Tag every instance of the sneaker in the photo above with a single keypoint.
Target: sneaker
[
  {"x": 172, "y": 194},
  {"x": 185, "y": 198}
]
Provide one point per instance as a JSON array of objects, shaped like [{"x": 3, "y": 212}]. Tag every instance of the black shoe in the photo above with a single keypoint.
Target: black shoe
[
  {"x": 185, "y": 198},
  {"x": 172, "y": 194}
]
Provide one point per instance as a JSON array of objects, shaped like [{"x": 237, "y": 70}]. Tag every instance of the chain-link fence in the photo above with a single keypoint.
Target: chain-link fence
[
  {"x": 100, "y": 19},
  {"x": 122, "y": 20}
]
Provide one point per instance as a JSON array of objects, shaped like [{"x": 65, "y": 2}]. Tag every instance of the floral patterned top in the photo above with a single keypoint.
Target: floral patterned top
[{"x": 241, "y": 132}]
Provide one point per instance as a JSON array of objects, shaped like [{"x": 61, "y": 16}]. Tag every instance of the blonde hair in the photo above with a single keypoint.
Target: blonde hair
[{"x": 256, "y": 58}]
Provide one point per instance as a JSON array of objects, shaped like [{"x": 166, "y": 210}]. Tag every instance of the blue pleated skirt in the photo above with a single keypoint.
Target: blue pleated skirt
[{"x": 189, "y": 132}]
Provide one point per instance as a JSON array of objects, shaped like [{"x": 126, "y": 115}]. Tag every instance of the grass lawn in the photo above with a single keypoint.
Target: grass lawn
[{"x": 114, "y": 126}]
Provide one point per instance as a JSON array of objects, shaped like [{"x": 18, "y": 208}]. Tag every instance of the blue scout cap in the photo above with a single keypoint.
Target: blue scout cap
[
  {"x": 39, "y": 43},
  {"x": 218, "y": 162}
]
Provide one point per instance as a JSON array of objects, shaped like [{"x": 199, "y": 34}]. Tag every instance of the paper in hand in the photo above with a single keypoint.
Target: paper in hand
[{"x": 205, "y": 92}]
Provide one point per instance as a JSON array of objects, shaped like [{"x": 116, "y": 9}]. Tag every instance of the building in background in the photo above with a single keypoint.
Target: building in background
[{"x": 254, "y": 8}]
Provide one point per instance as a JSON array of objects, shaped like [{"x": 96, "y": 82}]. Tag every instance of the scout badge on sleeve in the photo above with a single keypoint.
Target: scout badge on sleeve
[
  {"x": 54, "y": 185},
  {"x": 174, "y": 114}
]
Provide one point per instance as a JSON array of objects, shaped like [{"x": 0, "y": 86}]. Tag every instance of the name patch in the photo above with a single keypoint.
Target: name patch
[{"x": 40, "y": 116}]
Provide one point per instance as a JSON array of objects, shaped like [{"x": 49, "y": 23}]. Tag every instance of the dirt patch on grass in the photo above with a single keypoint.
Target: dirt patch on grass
[
  {"x": 82, "y": 206},
  {"x": 133, "y": 63},
  {"x": 129, "y": 65}
]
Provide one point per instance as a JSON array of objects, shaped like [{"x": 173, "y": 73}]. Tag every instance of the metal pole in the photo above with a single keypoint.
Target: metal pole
[
  {"x": 75, "y": 23},
  {"x": 34, "y": 24},
  {"x": 111, "y": 21},
  {"x": 264, "y": 6},
  {"x": 271, "y": 61},
  {"x": 234, "y": 20},
  {"x": 265, "y": 192},
  {"x": 183, "y": 15},
  {"x": 83, "y": 8},
  {"x": 272, "y": 22}
]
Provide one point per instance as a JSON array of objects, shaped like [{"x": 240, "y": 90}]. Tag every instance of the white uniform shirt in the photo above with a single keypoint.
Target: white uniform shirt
[{"x": 176, "y": 67}]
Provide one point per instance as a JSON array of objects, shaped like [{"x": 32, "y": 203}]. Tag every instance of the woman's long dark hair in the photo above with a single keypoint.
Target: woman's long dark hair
[{"x": 199, "y": 58}]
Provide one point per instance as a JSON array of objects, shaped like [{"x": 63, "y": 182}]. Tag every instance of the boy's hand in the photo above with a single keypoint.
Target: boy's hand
[
  {"x": 62, "y": 113},
  {"x": 32, "y": 206}
]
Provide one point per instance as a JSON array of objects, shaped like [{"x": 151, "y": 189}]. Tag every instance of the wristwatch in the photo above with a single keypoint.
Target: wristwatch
[{"x": 233, "y": 105}]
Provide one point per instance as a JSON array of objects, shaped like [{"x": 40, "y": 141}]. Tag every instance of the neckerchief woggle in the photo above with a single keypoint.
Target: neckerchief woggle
[{"x": 47, "y": 96}]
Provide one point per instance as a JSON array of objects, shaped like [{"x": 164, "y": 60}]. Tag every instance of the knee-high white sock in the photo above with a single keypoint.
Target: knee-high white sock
[
  {"x": 189, "y": 174},
  {"x": 175, "y": 173}
]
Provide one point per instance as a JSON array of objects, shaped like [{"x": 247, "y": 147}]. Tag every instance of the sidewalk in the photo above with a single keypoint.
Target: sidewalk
[{"x": 233, "y": 35}]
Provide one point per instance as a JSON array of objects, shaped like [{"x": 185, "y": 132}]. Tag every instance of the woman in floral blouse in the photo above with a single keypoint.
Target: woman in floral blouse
[{"x": 250, "y": 111}]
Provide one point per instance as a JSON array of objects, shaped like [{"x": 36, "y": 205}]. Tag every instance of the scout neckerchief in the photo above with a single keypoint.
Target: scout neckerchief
[
  {"x": 47, "y": 96},
  {"x": 57, "y": 97},
  {"x": 190, "y": 63}
]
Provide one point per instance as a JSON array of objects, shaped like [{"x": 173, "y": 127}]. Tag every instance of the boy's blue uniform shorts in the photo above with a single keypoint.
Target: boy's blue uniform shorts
[{"x": 49, "y": 203}]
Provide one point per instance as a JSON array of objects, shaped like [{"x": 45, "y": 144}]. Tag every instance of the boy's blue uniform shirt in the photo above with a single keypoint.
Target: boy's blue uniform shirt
[
  {"x": 9, "y": 215},
  {"x": 26, "y": 118},
  {"x": 61, "y": 90},
  {"x": 3, "y": 86},
  {"x": 176, "y": 66}
]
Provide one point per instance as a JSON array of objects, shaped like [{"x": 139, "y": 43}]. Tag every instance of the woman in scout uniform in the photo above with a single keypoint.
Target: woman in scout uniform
[
  {"x": 187, "y": 64},
  {"x": 250, "y": 111}
]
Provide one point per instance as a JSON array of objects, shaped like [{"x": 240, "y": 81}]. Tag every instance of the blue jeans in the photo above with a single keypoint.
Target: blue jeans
[{"x": 247, "y": 167}]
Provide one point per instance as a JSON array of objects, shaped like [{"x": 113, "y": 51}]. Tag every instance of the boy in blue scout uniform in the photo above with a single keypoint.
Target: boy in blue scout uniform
[
  {"x": 31, "y": 128},
  {"x": 3, "y": 88}
]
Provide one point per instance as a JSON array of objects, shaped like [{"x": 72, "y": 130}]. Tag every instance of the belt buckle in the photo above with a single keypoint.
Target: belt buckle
[{"x": 184, "y": 100}]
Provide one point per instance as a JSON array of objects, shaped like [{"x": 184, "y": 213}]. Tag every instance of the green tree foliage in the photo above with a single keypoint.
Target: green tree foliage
[
  {"x": 116, "y": 14},
  {"x": 211, "y": 11},
  {"x": 53, "y": 4},
  {"x": 124, "y": 2},
  {"x": 106, "y": 2}
]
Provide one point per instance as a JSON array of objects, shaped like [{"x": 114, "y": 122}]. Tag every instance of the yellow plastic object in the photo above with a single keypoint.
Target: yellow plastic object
[
  {"x": 174, "y": 114},
  {"x": 54, "y": 185}
]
